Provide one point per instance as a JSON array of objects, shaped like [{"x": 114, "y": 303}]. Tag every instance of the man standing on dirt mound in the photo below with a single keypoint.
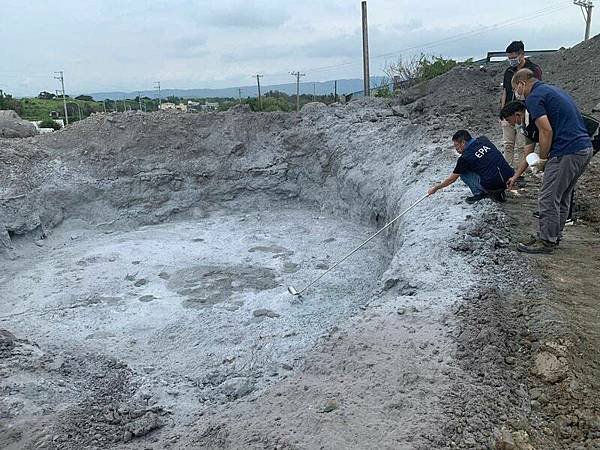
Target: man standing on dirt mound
[
  {"x": 564, "y": 141},
  {"x": 480, "y": 166},
  {"x": 514, "y": 142}
]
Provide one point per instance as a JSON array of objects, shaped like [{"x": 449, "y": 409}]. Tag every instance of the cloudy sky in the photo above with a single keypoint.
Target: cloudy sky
[{"x": 127, "y": 45}]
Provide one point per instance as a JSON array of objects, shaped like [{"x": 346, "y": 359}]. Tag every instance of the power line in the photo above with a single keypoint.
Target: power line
[
  {"x": 550, "y": 9},
  {"x": 454, "y": 38},
  {"x": 460, "y": 36}
]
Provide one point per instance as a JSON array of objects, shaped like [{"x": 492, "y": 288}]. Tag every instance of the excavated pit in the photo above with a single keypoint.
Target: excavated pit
[{"x": 161, "y": 245}]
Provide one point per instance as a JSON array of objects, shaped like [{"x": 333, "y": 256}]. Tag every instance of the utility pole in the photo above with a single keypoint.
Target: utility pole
[
  {"x": 157, "y": 86},
  {"x": 314, "y": 91},
  {"x": 365, "y": 36},
  {"x": 258, "y": 77},
  {"x": 240, "y": 95},
  {"x": 586, "y": 9},
  {"x": 298, "y": 75},
  {"x": 335, "y": 90},
  {"x": 140, "y": 99},
  {"x": 62, "y": 83}
]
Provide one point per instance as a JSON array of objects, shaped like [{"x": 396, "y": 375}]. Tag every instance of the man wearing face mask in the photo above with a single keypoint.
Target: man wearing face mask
[
  {"x": 480, "y": 166},
  {"x": 513, "y": 141},
  {"x": 516, "y": 115},
  {"x": 564, "y": 141}
]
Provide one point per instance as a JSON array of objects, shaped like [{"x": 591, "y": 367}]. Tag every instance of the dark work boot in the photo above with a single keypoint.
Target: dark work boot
[
  {"x": 476, "y": 198},
  {"x": 532, "y": 239},
  {"x": 499, "y": 197},
  {"x": 537, "y": 246}
]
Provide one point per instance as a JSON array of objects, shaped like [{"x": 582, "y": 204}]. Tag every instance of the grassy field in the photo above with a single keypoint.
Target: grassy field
[{"x": 38, "y": 109}]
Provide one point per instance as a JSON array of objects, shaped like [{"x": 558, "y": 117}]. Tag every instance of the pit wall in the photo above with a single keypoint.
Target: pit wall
[{"x": 131, "y": 169}]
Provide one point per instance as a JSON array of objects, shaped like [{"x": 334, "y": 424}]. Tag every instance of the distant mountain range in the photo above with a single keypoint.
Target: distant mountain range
[{"x": 320, "y": 88}]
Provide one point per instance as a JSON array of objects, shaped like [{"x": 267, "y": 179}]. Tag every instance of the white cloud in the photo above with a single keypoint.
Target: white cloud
[{"x": 114, "y": 45}]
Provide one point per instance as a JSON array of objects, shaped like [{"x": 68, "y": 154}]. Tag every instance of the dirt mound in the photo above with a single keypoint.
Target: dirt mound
[
  {"x": 465, "y": 97},
  {"x": 12, "y": 126},
  {"x": 577, "y": 70},
  {"x": 80, "y": 400}
]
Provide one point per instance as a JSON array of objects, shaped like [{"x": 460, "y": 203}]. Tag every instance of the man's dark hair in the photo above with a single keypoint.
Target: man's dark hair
[
  {"x": 462, "y": 135},
  {"x": 512, "y": 108},
  {"x": 515, "y": 47}
]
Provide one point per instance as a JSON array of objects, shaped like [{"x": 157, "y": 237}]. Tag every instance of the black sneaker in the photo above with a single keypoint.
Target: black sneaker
[
  {"x": 539, "y": 246},
  {"x": 476, "y": 198},
  {"x": 499, "y": 197}
]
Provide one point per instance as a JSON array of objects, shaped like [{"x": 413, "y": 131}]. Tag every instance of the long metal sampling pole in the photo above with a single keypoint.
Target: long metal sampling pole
[{"x": 294, "y": 292}]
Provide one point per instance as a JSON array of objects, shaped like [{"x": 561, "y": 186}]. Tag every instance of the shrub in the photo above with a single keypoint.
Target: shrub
[
  {"x": 383, "y": 91},
  {"x": 420, "y": 68},
  {"x": 49, "y": 123}
]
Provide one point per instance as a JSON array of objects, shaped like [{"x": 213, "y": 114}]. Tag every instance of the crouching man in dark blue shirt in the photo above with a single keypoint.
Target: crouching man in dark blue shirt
[{"x": 480, "y": 166}]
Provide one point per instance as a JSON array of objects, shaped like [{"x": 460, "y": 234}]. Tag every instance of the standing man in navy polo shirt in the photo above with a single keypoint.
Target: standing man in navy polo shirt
[
  {"x": 565, "y": 143},
  {"x": 514, "y": 141},
  {"x": 480, "y": 166}
]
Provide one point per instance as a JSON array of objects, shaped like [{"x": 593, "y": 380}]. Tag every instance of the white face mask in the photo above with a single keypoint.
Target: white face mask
[
  {"x": 513, "y": 62},
  {"x": 517, "y": 95}
]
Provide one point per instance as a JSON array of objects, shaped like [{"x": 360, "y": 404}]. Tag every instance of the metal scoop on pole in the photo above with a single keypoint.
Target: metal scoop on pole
[{"x": 292, "y": 290}]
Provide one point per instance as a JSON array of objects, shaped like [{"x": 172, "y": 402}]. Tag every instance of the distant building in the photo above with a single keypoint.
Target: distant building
[
  {"x": 208, "y": 106},
  {"x": 193, "y": 106},
  {"x": 169, "y": 105}
]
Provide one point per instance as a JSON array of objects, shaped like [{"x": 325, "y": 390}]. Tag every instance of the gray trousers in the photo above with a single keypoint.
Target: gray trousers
[{"x": 560, "y": 176}]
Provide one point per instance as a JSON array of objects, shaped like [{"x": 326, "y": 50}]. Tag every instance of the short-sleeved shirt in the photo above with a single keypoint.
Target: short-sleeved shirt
[
  {"x": 530, "y": 130},
  {"x": 482, "y": 157},
  {"x": 510, "y": 73},
  {"x": 569, "y": 131}
]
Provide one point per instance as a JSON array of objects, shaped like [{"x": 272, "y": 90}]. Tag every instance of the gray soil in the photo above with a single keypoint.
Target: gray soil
[
  {"x": 145, "y": 265},
  {"x": 12, "y": 126}
]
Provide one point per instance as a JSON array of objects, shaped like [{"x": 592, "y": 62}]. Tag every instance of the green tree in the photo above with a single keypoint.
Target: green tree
[
  {"x": 8, "y": 102},
  {"x": 44, "y": 95}
]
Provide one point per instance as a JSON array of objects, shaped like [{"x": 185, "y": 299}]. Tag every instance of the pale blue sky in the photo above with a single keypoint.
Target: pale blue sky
[{"x": 127, "y": 45}]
